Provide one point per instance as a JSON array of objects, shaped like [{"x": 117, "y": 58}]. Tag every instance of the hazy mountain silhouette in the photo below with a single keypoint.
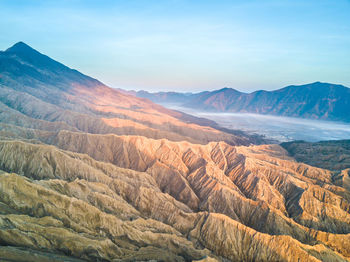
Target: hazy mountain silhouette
[{"x": 315, "y": 101}]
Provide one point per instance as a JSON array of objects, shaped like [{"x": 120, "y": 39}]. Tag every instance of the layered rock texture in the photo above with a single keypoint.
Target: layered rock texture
[{"x": 90, "y": 174}]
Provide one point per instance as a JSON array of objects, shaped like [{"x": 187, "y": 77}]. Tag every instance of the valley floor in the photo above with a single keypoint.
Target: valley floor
[{"x": 281, "y": 129}]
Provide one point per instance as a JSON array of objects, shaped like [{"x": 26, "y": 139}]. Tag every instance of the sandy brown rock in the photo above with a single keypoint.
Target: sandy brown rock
[
  {"x": 251, "y": 186},
  {"x": 238, "y": 243},
  {"x": 63, "y": 224},
  {"x": 100, "y": 112}
]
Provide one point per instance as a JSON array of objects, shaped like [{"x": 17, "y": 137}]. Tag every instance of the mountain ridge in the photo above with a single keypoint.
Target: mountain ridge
[
  {"x": 77, "y": 99},
  {"x": 311, "y": 101},
  {"x": 31, "y": 57}
]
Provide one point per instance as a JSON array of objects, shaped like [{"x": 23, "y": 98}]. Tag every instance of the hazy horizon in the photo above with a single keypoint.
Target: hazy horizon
[
  {"x": 186, "y": 91},
  {"x": 150, "y": 90},
  {"x": 188, "y": 46},
  {"x": 214, "y": 89},
  {"x": 278, "y": 128}
]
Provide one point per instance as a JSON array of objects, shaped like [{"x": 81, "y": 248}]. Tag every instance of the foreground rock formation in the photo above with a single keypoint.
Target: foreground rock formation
[
  {"x": 89, "y": 174},
  {"x": 187, "y": 204}
]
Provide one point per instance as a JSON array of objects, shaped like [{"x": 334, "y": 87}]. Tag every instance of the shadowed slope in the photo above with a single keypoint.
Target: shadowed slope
[{"x": 333, "y": 155}]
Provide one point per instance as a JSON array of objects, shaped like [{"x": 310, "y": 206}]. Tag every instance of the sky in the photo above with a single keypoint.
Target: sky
[{"x": 183, "y": 45}]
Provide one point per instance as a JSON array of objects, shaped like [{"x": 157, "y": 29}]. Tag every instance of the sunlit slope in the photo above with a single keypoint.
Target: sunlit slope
[
  {"x": 172, "y": 210},
  {"x": 34, "y": 86}
]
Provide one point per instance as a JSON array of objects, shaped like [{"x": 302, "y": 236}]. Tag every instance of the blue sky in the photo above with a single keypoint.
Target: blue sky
[{"x": 188, "y": 45}]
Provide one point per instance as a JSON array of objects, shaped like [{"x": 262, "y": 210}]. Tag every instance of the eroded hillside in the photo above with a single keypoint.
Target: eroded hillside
[
  {"x": 176, "y": 201},
  {"x": 90, "y": 174}
]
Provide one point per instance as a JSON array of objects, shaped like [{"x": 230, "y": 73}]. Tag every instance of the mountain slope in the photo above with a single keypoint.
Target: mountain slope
[
  {"x": 38, "y": 87},
  {"x": 315, "y": 101},
  {"x": 90, "y": 174}
]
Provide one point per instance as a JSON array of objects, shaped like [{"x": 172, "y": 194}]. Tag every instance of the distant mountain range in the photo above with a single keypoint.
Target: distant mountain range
[{"x": 314, "y": 101}]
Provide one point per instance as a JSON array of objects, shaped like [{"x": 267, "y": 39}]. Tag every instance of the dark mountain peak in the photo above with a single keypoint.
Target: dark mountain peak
[
  {"x": 30, "y": 62},
  {"x": 320, "y": 84},
  {"x": 317, "y": 87},
  {"x": 21, "y": 48},
  {"x": 227, "y": 90},
  {"x": 317, "y": 83},
  {"x": 314, "y": 85},
  {"x": 32, "y": 56}
]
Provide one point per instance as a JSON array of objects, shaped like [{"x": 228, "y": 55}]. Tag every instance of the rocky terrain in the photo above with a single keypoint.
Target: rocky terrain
[
  {"x": 332, "y": 155},
  {"x": 312, "y": 101},
  {"x": 90, "y": 174}
]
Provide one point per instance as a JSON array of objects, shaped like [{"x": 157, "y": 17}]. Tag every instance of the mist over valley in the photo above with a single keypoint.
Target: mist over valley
[{"x": 277, "y": 128}]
